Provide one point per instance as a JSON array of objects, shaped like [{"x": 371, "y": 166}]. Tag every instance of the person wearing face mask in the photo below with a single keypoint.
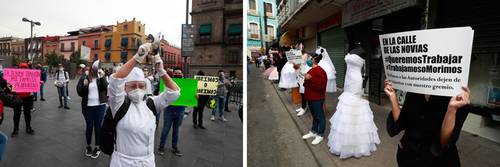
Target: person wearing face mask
[
  {"x": 315, "y": 91},
  {"x": 172, "y": 117},
  {"x": 92, "y": 87},
  {"x": 304, "y": 68},
  {"x": 135, "y": 132},
  {"x": 220, "y": 97},
  {"x": 61, "y": 80},
  {"x": 43, "y": 80}
]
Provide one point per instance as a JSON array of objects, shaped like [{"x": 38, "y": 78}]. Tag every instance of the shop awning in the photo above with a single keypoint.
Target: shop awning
[
  {"x": 288, "y": 39},
  {"x": 235, "y": 29},
  {"x": 205, "y": 29}
]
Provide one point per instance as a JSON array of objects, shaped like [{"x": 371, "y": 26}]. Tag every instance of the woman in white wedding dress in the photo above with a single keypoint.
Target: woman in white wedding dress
[{"x": 353, "y": 132}]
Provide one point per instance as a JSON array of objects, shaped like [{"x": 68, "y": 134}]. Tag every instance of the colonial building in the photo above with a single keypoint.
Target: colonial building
[
  {"x": 171, "y": 55},
  {"x": 69, "y": 44},
  {"x": 218, "y": 36},
  {"x": 6, "y": 45},
  {"x": 33, "y": 48},
  {"x": 262, "y": 25},
  {"x": 91, "y": 38},
  {"x": 50, "y": 46},
  {"x": 121, "y": 42}
]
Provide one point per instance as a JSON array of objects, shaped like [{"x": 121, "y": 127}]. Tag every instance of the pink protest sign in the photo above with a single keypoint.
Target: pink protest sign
[{"x": 23, "y": 80}]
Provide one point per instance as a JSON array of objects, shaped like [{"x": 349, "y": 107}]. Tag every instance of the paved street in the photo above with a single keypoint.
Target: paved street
[
  {"x": 273, "y": 137},
  {"x": 473, "y": 150},
  {"x": 59, "y": 139}
]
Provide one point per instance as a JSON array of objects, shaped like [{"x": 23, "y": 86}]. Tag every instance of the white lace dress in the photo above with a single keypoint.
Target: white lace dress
[
  {"x": 353, "y": 132},
  {"x": 288, "y": 77}
]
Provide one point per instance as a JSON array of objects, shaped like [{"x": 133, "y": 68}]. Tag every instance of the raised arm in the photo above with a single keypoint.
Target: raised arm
[{"x": 449, "y": 122}]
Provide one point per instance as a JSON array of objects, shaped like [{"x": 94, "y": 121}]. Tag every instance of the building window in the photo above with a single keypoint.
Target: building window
[
  {"x": 84, "y": 43},
  {"x": 62, "y": 47},
  {"x": 205, "y": 32},
  {"x": 139, "y": 28},
  {"x": 124, "y": 42},
  {"x": 233, "y": 57},
  {"x": 72, "y": 46},
  {"x": 270, "y": 32},
  {"x": 107, "y": 56},
  {"x": 252, "y": 5},
  {"x": 107, "y": 44},
  {"x": 234, "y": 33},
  {"x": 206, "y": 1},
  {"x": 96, "y": 43},
  {"x": 254, "y": 30},
  {"x": 268, "y": 7},
  {"x": 125, "y": 27}
]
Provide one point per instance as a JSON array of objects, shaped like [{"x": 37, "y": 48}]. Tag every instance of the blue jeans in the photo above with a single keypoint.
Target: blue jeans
[
  {"x": 219, "y": 105},
  {"x": 94, "y": 116},
  {"x": 171, "y": 118},
  {"x": 318, "y": 125},
  {"x": 62, "y": 95},
  {"x": 41, "y": 92}
]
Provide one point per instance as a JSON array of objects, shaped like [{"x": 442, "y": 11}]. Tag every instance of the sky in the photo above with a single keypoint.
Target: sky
[{"x": 57, "y": 17}]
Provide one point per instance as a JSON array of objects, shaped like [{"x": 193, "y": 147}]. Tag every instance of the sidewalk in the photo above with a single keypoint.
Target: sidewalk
[{"x": 473, "y": 150}]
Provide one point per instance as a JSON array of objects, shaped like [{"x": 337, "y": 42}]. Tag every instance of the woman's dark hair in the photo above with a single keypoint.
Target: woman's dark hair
[
  {"x": 317, "y": 57},
  {"x": 200, "y": 73}
]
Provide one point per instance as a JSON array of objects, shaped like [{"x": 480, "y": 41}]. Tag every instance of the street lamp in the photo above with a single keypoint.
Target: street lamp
[{"x": 33, "y": 23}]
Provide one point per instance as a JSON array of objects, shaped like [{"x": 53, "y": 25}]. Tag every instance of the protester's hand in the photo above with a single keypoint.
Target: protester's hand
[
  {"x": 389, "y": 90},
  {"x": 142, "y": 52},
  {"x": 308, "y": 76},
  {"x": 460, "y": 100}
]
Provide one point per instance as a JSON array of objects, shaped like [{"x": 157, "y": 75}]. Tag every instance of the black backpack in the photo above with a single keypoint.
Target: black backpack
[{"x": 108, "y": 129}]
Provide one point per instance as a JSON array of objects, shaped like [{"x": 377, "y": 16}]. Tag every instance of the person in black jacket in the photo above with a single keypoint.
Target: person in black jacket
[
  {"x": 92, "y": 87},
  {"x": 432, "y": 125},
  {"x": 198, "y": 111}
]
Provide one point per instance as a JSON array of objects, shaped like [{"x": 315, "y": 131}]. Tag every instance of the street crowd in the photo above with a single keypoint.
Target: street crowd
[
  {"x": 122, "y": 108},
  {"x": 431, "y": 124}
]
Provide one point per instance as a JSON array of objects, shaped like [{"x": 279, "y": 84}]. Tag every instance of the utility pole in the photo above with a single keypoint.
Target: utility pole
[
  {"x": 33, "y": 23},
  {"x": 186, "y": 68}
]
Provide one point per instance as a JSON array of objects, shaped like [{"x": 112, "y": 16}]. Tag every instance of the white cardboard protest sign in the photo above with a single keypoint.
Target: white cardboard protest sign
[
  {"x": 434, "y": 61},
  {"x": 207, "y": 85},
  {"x": 294, "y": 56},
  {"x": 85, "y": 53}
]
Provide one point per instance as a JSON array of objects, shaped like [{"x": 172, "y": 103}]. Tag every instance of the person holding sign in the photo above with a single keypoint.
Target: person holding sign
[
  {"x": 315, "y": 92},
  {"x": 172, "y": 117},
  {"x": 27, "y": 105},
  {"x": 198, "y": 110},
  {"x": 432, "y": 125},
  {"x": 135, "y": 131},
  {"x": 353, "y": 132}
]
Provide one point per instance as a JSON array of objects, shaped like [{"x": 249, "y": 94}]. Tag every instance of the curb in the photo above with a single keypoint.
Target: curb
[{"x": 319, "y": 152}]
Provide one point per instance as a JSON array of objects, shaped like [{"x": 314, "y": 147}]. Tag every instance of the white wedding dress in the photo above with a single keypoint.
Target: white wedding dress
[{"x": 353, "y": 132}]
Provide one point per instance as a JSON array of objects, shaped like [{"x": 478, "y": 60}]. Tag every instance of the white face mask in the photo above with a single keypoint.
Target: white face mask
[
  {"x": 60, "y": 69},
  {"x": 86, "y": 72},
  {"x": 136, "y": 95}
]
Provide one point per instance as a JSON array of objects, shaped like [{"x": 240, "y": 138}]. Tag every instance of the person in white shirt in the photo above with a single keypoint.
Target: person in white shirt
[
  {"x": 135, "y": 132},
  {"x": 93, "y": 88},
  {"x": 61, "y": 82}
]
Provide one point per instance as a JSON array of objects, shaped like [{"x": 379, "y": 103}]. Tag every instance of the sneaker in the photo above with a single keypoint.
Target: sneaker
[
  {"x": 60, "y": 106},
  {"x": 309, "y": 135},
  {"x": 317, "y": 140},
  {"x": 298, "y": 109},
  {"x": 212, "y": 118},
  {"x": 161, "y": 151},
  {"x": 42, "y": 99},
  {"x": 14, "y": 133},
  {"x": 224, "y": 119},
  {"x": 88, "y": 151},
  {"x": 177, "y": 152},
  {"x": 30, "y": 131},
  {"x": 301, "y": 112},
  {"x": 69, "y": 98},
  {"x": 96, "y": 153},
  {"x": 66, "y": 107}
]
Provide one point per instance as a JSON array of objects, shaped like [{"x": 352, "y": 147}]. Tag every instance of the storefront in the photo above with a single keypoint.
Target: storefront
[
  {"x": 364, "y": 21},
  {"x": 484, "y": 75},
  {"x": 332, "y": 37}
]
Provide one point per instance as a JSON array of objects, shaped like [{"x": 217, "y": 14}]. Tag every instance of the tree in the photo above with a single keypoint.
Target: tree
[
  {"x": 75, "y": 58},
  {"x": 52, "y": 59}
]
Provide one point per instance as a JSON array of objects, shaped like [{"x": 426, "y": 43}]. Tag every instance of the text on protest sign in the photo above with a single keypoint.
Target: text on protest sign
[
  {"x": 434, "y": 61},
  {"x": 23, "y": 80},
  {"x": 294, "y": 56},
  {"x": 207, "y": 85}
]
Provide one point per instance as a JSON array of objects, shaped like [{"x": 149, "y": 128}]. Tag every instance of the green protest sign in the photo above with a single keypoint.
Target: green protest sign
[{"x": 188, "y": 91}]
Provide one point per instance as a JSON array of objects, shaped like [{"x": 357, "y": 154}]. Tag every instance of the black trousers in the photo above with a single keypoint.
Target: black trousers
[
  {"x": 227, "y": 101},
  {"x": 27, "y": 105},
  {"x": 303, "y": 100},
  {"x": 198, "y": 111}
]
